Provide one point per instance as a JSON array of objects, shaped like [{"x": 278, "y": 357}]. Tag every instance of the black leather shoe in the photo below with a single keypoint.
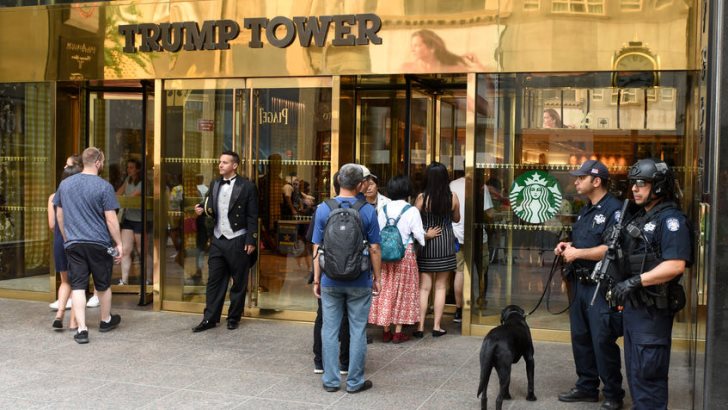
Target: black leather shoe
[
  {"x": 204, "y": 325},
  {"x": 575, "y": 395},
  {"x": 232, "y": 324},
  {"x": 609, "y": 404},
  {"x": 365, "y": 386},
  {"x": 331, "y": 389}
]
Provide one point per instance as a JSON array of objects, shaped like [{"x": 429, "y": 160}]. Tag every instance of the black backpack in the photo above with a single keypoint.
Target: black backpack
[{"x": 341, "y": 256}]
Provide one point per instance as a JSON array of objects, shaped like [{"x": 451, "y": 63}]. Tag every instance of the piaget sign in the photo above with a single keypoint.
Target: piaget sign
[
  {"x": 535, "y": 196},
  {"x": 279, "y": 32}
]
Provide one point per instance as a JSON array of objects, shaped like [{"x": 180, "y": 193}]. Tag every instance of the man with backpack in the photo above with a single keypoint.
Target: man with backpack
[{"x": 346, "y": 254}]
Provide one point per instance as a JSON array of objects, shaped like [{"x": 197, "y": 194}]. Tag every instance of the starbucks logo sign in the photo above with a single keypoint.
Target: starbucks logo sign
[{"x": 535, "y": 196}]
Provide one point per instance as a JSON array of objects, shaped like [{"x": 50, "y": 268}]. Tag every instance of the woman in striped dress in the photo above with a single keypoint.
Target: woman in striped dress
[
  {"x": 439, "y": 208},
  {"x": 398, "y": 301}
]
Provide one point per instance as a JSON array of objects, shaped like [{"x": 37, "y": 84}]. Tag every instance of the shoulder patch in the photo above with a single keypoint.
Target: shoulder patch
[
  {"x": 617, "y": 215},
  {"x": 673, "y": 224}
]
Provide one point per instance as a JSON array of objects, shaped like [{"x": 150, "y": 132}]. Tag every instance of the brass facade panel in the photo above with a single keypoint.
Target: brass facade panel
[{"x": 59, "y": 43}]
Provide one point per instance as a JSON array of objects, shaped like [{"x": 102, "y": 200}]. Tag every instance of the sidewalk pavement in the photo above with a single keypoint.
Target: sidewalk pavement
[{"x": 154, "y": 361}]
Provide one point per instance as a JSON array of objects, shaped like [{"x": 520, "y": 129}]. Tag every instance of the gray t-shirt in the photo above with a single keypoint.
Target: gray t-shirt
[{"x": 84, "y": 199}]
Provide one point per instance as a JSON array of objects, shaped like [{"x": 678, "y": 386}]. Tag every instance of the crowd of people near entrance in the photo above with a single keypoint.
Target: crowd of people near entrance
[{"x": 377, "y": 258}]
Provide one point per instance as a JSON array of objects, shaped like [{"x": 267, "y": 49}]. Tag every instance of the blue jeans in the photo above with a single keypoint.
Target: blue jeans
[{"x": 357, "y": 301}]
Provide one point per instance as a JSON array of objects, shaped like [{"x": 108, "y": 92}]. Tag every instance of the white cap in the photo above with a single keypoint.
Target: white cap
[{"x": 365, "y": 171}]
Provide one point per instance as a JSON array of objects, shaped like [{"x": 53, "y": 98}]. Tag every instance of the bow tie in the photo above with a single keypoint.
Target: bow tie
[{"x": 226, "y": 181}]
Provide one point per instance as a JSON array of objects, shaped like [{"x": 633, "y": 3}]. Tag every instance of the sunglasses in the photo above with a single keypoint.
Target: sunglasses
[{"x": 639, "y": 183}]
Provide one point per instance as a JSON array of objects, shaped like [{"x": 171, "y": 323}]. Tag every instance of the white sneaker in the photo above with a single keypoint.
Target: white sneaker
[
  {"x": 121, "y": 282},
  {"x": 54, "y": 305},
  {"x": 93, "y": 302}
]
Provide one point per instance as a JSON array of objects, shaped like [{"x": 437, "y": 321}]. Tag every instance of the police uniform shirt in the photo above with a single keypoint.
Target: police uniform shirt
[
  {"x": 668, "y": 234},
  {"x": 591, "y": 223}
]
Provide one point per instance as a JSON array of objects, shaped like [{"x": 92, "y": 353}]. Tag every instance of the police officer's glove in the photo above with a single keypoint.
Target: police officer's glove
[{"x": 625, "y": 288}]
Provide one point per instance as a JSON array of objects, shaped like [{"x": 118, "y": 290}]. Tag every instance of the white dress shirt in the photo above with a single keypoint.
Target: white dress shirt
[{"x": 223, "y": 227}]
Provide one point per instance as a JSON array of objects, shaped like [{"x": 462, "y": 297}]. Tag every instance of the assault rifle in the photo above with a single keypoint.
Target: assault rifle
[{"x": 614, "y": 252}]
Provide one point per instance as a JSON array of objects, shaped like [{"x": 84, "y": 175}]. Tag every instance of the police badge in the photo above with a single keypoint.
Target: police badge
[{"x": 673, "y": 224}]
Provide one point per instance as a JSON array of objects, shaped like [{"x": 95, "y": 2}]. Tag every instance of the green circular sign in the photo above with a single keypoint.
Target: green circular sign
[{"x": 535, "y": 196}]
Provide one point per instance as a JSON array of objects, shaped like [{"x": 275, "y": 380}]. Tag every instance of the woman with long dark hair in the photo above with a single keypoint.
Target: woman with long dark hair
[
  {"x": 439, "y": 208},
  {"x": 131, "y": 224}
]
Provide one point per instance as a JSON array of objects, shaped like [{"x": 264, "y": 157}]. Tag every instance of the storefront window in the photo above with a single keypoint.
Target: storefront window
[
  {"x": 531, "y": 130},
  {"x": 26, "y": 180}
]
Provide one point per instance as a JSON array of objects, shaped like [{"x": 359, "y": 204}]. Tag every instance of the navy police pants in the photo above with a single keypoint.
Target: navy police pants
[
  {"x": 594, "y": 332},
  {"x": 647, "y": 340}
]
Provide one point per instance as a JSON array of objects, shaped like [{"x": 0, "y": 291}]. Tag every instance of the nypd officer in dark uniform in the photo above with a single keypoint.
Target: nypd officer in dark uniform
[
  {"x": 657, "y": 242},
  {"x": 594, "y": 328},
  {"x": 232, "y": 201}
]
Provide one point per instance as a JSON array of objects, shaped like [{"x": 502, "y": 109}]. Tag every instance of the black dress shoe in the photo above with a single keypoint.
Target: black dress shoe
[
  {"x": 233, "y": 324},
  {"x": 575, "y": 395},
  {"x": 331, "y": 389},
  {"x": 365, "y": 386},
  {"x": 204, "y": 325},
  {"x": 609, "y": 404}
]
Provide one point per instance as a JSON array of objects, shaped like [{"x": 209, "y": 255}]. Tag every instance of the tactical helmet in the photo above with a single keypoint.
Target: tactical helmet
[{"x": 656, "y": 172}]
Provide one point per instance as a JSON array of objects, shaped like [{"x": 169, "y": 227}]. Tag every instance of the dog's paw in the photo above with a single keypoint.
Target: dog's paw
[{"x": 531, "y": 397}]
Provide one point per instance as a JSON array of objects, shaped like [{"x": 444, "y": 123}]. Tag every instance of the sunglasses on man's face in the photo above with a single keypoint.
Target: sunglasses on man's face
[{"x": 639, "y": 183}]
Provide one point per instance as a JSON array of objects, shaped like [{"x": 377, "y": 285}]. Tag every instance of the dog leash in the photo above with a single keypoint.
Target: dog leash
[{"x": 547, "y": 289}]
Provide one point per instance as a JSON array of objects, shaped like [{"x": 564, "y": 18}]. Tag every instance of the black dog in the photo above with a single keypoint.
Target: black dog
[{"x": 502, "y": 347}]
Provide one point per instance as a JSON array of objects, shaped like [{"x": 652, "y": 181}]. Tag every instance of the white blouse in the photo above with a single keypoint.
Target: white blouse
[{"x": 409, "y": 223}]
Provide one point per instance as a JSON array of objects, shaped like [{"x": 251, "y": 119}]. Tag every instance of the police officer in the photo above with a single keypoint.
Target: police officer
[
  {"x": 658, "y": 246},
  {"x": 594, "y": 328}
]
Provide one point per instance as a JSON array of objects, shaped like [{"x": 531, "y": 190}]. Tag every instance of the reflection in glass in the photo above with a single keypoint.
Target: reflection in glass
[
  {"x": 292, "y": 137},
  {"x": 517, "y": 132},
  {"x": 199, "y": 126},
  {"x": 26, "y": 180}
]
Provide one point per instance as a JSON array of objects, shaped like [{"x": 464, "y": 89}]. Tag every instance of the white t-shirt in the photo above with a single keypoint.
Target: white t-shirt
[
  {"x": 458, "y": 187},
  {"x": 409, "y": 223}
]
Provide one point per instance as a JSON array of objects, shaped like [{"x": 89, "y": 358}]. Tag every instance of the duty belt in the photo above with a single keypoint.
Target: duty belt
[{"x": 583, "y": 275}]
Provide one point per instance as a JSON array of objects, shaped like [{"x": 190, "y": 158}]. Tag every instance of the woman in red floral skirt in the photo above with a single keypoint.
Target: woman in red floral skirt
[{"x": 398, "y": 300}]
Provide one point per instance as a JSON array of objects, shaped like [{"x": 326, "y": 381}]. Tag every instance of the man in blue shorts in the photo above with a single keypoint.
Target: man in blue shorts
[{"x": 86, "y": 212}]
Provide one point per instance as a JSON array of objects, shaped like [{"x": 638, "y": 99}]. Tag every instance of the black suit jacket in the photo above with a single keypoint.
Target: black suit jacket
[{"x": 243, "y": 209}]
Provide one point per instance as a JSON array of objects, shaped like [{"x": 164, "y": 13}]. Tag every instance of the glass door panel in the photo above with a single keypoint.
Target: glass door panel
[
  {"x": 202, "y": 119},
  {"x": 383, "y": 142},
  {"x": 292, "y": 151},
  {"x": 119, "y": 123},
  {"x": 451, "y": 126}
]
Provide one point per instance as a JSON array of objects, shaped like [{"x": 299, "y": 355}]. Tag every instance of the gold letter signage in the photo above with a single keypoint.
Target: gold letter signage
[{"x": 279, "y": 32}]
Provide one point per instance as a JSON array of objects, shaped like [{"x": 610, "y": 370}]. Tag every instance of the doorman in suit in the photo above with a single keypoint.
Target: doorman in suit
[{"x": 232, "y": 202}]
